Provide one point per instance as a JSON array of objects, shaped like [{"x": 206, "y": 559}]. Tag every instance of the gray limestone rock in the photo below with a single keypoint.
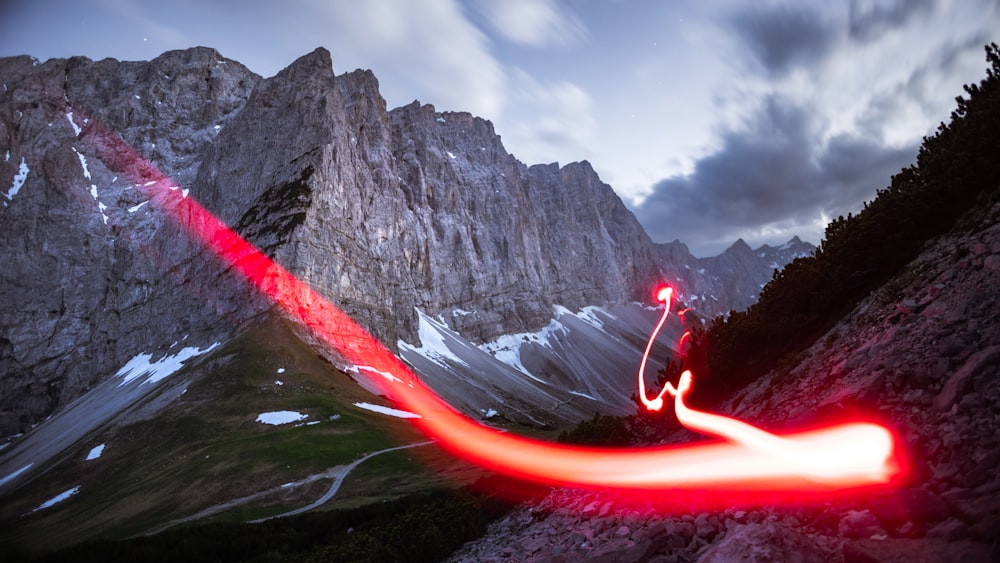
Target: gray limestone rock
[{"x": 383, "y": 212}]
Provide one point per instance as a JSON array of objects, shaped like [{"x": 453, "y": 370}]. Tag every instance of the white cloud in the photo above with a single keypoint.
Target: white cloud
[
  {"x": 423, "y": 49},
  {"x": 553, "y": 121},
  {"x": 533, "y": 23}
]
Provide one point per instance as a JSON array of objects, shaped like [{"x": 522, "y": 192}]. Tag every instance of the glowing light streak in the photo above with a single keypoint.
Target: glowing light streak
[
  {"x": 722, "y": 466},
  {"x": 870, "y": 444},
  {"x": 656, "y": 403}
]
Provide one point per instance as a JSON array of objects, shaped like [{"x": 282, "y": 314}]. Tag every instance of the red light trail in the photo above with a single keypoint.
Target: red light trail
[
  {"x": 849, "y": 455},
  {"x": 656, "y": 403}
]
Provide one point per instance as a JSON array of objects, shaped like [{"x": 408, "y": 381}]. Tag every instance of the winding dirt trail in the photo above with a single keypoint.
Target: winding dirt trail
[{"x": 338, "y": 474}]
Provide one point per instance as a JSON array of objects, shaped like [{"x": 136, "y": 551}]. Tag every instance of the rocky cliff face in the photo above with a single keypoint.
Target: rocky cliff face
[
  {"x": 730, "y": 281},
  {"x": 384, "y": 212},
  {"x": 91, "y": 277}
]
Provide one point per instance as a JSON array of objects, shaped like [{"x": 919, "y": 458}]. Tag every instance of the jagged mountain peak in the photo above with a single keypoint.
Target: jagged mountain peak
[
  {"x": 383, "y": 212},
  {"x": 317, "y": 64},
  {"x": 737, "y": 248}
]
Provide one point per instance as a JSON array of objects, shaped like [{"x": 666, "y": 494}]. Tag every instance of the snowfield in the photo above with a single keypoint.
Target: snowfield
[
  {"x": 280, "y": 417},
  {"x": 58, "y": 498},
  {"x": 95, "y": 452},
  {"x": 578, "y": 363},
  {"x": 386, "y": 410},
  {"x": 166, "y": 366}
]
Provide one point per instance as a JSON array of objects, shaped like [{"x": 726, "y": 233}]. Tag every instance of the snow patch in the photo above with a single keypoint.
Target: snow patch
[
  {"x": 281, "y": 370},
  {"x": 441, "y": 120},
  {"x": 15, "y": 474},
  {"x": 135, "y": 208},
  {"x": 166, "y": 366},
  {"x": 277, "y": 418},
  {"x": 451, "y": 155},
  {"x": 507, "y": 348},
  {"x": 76, "y": 128},
  {"x": 589, "y": 315},
  {"x": 433, "y": 346},
  {"x": 95, "y": 452},
  {"x": 19, "y": 178},
  {"x": 386, "y": 410},
  {"x": 83, "y": 164},
  {"x": 58, "y": 498},
  {"x": 584, "y": 395},
  {"x": 279, "y": 382},
  {"x": 385, "y": 374}
]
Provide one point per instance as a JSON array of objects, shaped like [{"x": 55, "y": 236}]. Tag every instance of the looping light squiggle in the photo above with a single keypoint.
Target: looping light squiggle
[
  {"x": 815, "y": 464},
  {"x": 656, "y": 403}
]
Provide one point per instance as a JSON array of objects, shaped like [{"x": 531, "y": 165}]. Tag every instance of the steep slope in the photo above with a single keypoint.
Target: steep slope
[
  {"x": 919, "y": 355},
  {"x": 383, "y": 212},
  {"x": 91, "y": 276}
]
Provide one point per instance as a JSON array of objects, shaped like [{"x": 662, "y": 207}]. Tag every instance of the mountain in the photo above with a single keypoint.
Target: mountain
[
  {"x": 390, "y": 214},
  {"x": 154, "y": 387},
  {"x": 730, "y": 281},
  {"x": 393, "y": 215},
  {"x": 517, "y": 292}
]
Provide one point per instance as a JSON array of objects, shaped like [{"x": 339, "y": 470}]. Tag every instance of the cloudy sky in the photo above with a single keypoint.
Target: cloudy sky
[{"x": 712, "y": 120}]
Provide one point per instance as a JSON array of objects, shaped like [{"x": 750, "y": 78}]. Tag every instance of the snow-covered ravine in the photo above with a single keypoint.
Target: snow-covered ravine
[
  {"x": 580, "y": 363},
  {"x": 127, "y": 391}
]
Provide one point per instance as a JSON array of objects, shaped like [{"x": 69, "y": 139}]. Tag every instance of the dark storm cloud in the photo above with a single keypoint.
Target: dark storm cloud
[
  {"x": 773, "y": 175},
  {"x": 867, "y": 20},
  {"x": 782, "y": 37}
]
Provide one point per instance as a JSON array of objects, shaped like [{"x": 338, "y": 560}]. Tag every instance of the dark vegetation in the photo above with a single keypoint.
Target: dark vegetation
[
  {"x": 426, "y": 526},
  {"x": 957, "y": 169}
]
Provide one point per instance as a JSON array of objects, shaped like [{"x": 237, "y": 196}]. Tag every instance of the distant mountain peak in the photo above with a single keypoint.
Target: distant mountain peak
[{"x": 730, "y": 281}]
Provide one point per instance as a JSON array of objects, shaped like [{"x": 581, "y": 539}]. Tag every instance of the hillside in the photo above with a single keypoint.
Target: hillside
[
  {"x": 921, "y": 355},
  {"x": 911, "y": 341}
]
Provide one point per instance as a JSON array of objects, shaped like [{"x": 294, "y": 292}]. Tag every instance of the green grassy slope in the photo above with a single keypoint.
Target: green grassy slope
[{"x": 206, "y": 448}]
